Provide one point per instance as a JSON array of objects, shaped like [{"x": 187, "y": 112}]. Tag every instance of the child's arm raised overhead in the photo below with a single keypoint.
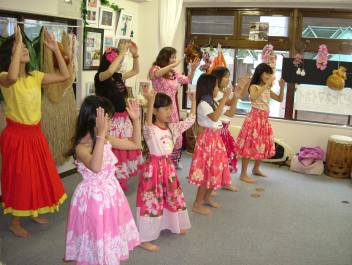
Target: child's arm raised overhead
[
  {"x": 214, "y": 116},
  {"x": 94, "y": 160},
  {"x": 166, "y": 69},
  {"x": 10, "y": 78},
  {"x": 133, "y": 143},
  {"x": 135, "y": 68},
  {"x": 233, "y": 104},
  {"x": 150, "y": 96},
  {"x": 279, "y": 97},
  {"x": 114, "y": 65},
  {"x": 51, "y": 43}
]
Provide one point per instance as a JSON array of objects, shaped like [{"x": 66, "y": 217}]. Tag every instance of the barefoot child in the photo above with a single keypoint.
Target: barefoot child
[
  {"x": 160, "y": 201},
  {"x": 210, "y": 167}
]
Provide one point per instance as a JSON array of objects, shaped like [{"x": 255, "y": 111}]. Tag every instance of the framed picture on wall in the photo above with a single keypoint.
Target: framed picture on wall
[
  {"x": 108, "y": 41},
  {"x": 124, "y": 25},
  {"x": 92, "y": 12},
  {"x": 107, "y": 18},
  {"x": 92, "y": 48}
]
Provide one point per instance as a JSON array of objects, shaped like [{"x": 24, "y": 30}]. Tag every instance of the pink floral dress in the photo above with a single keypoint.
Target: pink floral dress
[
  {"x": 160, "y": 201},
  {"x": 129, "y": 162},
  {"x": 170, "y": 87},
  {"x": 256, "y": 139},
  {"x": 100, "y": 229}
]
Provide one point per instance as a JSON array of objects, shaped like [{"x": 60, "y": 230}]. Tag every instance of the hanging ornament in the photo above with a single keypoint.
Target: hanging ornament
[
  {"x": 322, "y": 57},
  {"x": 269, "y": 56},
  {"x": 207, "y": 62},
  {"x": 298, "y": 62},
  {"x": 192, "y": 51},
  {"x": 336, "y": 81}
]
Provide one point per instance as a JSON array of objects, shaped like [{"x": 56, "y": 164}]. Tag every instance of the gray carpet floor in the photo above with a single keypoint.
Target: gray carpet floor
[{"x": 297, "y": 220}]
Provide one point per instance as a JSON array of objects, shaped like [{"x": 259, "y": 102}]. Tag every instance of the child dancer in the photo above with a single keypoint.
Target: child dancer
[
  {"x": 223, "y": 77},
  {"x": 109, "y": 83},
  {"x": 160, "y": 200},
  {"x": 100, "y": 228},
  {"x": 256, "y": 140},
  {"x": 30, "y": 183},
  {"x": 166, "y": 79},
  {"x": 210, "y": 167}
]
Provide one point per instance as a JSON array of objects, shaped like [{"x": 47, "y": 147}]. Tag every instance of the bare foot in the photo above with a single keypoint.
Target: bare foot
[
  {"x": 183, "y": 232},
  {"x": 230, "y": 188},
  {"x": 201, "y": 210},
  {"x": 67, "y": 261},
  {"x": 258, "y": 172},
  {"x": 40, "y": 220},
  {"x": 211, "y": 204},
  {"x": 213, "y": 193},
  {"x": 18, "y": 230},
  {"x": 247, "y": 179},
  {"x": 150, "y": 246}
]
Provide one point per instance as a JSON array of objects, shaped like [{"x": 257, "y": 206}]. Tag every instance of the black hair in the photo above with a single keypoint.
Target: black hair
[
  {"x": 164, "y": 56},
  {"x": 220, "y": 72},
  {"x": 259, "y": 70},
  {"x": 6, "y": 55},
  {"x": 113, "y": 88},
  {"x": 161, "y": 100},
  {"x": 86, "y": 121},
  {"x": 205, "y": 89}
]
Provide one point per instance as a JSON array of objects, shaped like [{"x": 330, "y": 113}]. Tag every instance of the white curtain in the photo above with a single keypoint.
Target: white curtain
[{"x": 169, "y": 16}]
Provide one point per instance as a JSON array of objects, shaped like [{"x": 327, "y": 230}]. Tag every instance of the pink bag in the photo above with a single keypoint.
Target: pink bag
[{"x": 316, "y": 168}]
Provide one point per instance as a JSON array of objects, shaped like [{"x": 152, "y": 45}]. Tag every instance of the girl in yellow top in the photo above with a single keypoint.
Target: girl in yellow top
[{"x": 30, "y": 183}]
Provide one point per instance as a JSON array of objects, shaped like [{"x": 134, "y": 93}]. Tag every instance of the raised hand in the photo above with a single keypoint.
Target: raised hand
[
  {"x": 124, "y": 47},
  {"x": 282, "y": 83},
  {"x": 191, "y": 96},
  {"x": 133, "y": 48},
  {"x": 227, "y": 92},
  {"x": 149, "y": 94},
  {"x": 18, "y": 36},
  {"x": 50, "y": 41},
  {"x": 133, "y": 109},
  {"x": 102, "y": 122},
  {"x": 194, "y": 64}
]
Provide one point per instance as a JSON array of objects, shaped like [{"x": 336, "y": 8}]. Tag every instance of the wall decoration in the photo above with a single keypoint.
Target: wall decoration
[
  {"x": 90, "y": 88},
  {"x": 107, "y": 18},
  {"x": 92, "y": 12},
  {"x": 322, "y": 57},
  {"x": 109, "y": 41},
  {"x": 336, "y": 81},
  {"x": 124, "y": 25},
  {"x": 258, "y": 31},
  {"x": 92, "y": 47}
]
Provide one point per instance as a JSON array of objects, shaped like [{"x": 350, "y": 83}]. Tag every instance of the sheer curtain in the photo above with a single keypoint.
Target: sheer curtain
[{"x": 169, "y": 16}]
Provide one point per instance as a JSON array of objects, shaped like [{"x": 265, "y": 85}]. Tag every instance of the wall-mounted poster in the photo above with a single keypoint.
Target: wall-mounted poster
[
  {"x": 92, "y": 48},
  {"x": 107, "y": 18},
  {"x": 258, "y": 31},
  {"x": 92, "y": 12},
  {"x": 124, "y": 25}
]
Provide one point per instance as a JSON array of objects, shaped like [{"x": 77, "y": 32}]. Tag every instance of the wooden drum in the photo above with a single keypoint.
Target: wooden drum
[{"x": 339, "y": 156}]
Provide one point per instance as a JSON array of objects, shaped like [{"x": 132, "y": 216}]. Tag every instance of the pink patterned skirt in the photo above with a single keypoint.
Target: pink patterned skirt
[
  {"x": 230, "y": 145},
  {"x": 210, "y": 165},
  {"x": 129, "y": 162},
  {"x": 100, "y": 229},
  {"x": 256, "y": 140},
  {"x": 160, "y": 201}
]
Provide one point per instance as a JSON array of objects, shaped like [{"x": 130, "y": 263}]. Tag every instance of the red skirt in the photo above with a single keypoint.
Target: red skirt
[
  {"x": 30, "y": 183},
  {"x": 256, "y": 140},
  {"x": 210, "y": 165},
  {"x": 230, "y": 146}
]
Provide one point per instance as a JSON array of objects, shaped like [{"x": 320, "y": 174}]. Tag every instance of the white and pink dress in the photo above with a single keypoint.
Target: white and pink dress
[
  {"x": 100, "y": 228},
  {"x": 160, "y": 201}
]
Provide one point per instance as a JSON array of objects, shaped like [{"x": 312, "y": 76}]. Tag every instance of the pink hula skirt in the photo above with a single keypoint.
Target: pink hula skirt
[
  {"x": 230, "y": 145},
  {"x": 210, "y": 166},
  {"x": 256, "y": 140}
]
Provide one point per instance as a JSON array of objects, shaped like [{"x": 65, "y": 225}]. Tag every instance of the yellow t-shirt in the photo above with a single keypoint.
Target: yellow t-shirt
[{"x": 23, "y": 99}]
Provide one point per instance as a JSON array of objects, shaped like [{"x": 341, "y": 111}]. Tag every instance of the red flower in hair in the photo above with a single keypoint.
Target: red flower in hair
[{"x": 111, "y": 54}]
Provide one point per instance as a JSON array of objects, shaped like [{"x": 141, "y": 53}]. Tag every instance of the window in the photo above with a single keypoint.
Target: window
[
  {"x": 7, "y": 26},
  {"x": 278, "y": 25},
  {"x": 213, "y": 25},
  {"x": 246, "y": 62},
  {"x": 327, "y": 28}
]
